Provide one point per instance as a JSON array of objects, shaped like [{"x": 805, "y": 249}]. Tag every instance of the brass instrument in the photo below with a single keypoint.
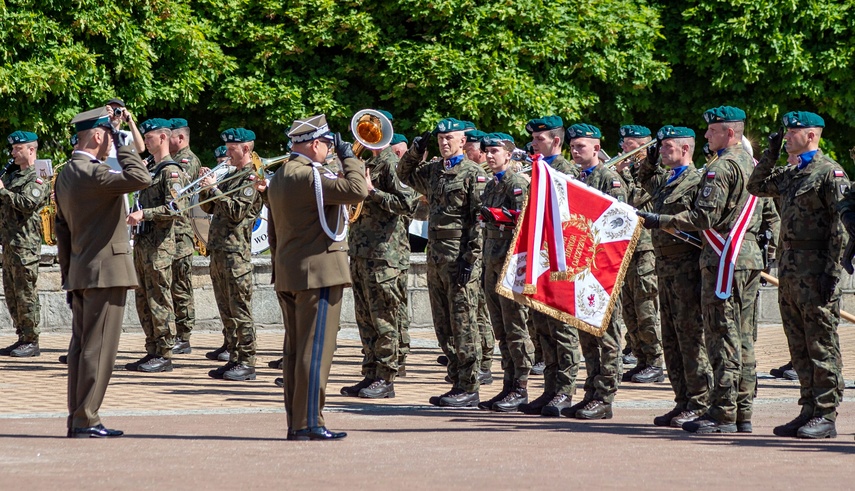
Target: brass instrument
[
  {"x": 612, "y": 162},
  {"x": 371, "y": 130},
  {"x": 220, "y": 171},
  {"x": 259, "y": 167},
  {"x": 48, "y": 213}
]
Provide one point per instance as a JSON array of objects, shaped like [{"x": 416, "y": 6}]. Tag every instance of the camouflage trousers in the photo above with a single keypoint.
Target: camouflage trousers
[
  {"x": 403, "y": 321},
  {"x": 683, "y": 338},
  {"x": 727, "y": 333},
  {"x": 509, "y": 324},
  {"x": 603, "y": 360},
  {"x": 154, "y": 300},
  {"x": 535, "y": 340},
  {"x": 561, "y": 355},
  {"x": 377, "y": 299},
  {"x": 231, "y": 279},
  {"x": 639, "y": 298},
  {"x": 485, "y": 329},
  {"x": 811, "y": 329},
  {"x": 455, "y": 321},
  {"x": 20, "y": 274},
  {"x": 182, "y": 297}
]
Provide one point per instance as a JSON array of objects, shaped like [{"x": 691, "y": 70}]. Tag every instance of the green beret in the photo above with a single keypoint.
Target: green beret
[
  {"x": 474, "y": 135},
  {"x": 504, "y": 136},
  {"x": 448, "y": 125},
  {"x": 669, "y": 131},
  {"x": 496, "y": 140},
  {"x": 467, "y": 125},
  {"x": 398, "y": 138},
  {"x": 802, "y": 119},
  {"x": 545, "y": 123},
  {"x": 220, "y": 151},
  {"x": 22, "y": 137},
  {"x": 237, "y": 135},
  {"x": 724, "y": 114},
  {"x": 581, "y": 130},
  {"x": 386, "y": 113},
  {"x": 634, "y": 131},
  {"x": 91, "y": 119},
  {"x": 177, "y": 123},
  {"x": 155, "y": 124},
  {"x": 73, "y": 140}
]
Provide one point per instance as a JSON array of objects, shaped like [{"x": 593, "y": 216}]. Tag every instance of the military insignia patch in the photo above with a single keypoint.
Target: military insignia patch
[
  {"x": 839, "y": 173},
  {"x": 174, "y": 175},
  {"x": 517, "y": 191},
  {"x": 184, "y": 161},
  {"x": 36, "y": 193},
  {"x": 844, "y": 188},
  {"x": 39, "y": 181},
  {"x": 706, "y": 191},
  {"x": 711, "y": 175},
  {"x": 330, "y": 175},
  {"x": 248, "y": 192},
  {"x": 615, "y": 184},
  {"x": 482, "y": 179}
]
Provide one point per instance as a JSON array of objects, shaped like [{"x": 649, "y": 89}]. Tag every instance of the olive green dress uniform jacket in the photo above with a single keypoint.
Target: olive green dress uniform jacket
[
  {"x": 97, "y": 268},
  {"x": 310, "y": 271}
]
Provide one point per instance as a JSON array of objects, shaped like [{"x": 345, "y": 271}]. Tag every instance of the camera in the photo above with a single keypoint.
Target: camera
[{"x": 117, "y": 113}]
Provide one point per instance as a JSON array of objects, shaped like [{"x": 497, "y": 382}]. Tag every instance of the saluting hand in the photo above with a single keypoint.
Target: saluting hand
[
  {"x": 420, "y": 143},
  {"x": 776, "y": 141},
  {"x": 653, "y": 153}
]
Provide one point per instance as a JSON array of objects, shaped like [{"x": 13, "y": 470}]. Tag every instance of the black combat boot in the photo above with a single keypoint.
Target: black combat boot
[
  {"x": 570, "y": 412},
  {"x": 538, "y": 368},
  {"x": 276, "y": 364},
  {"x": 535, "y": 406},
  {"x": 220, "y": 354},
  {"x": 280, "y": 382},
  {"x": 134, "y": 365},
  {"x": 442, "y": 360},
  {"x": 649, "y": 375},
  {"x": 459, "y": 398},
  {"x": 595, "y": 410},
  {"x": 353, "y": 390},
  {"x": 791, "y": 429},
  {"x": 685, "y": 417},
  {"x": 155, "y": 364},
  {"x": 627, "y": 357},
  {"x": 627, "y": 376},
  {"x": 379, "y": 389},
  {"x": 26, "y": 350},
  {"x": 63, "y": 359},
  {"x": 818, "y": 428},
  {"x": 181, "y": 348},
  {"x": 218, "y": 373},
  {"x": 8, "y": 349},
  {"x": 559, "y": 402},
  {"x": 665, "y": 419},
  {"x": 485, "y": 377},
  {"x": 707, "y": 424},
  {"x": 239, "y": 372},
  {"x": 487, "y": 405},
  {"x": 517, "y": 396},
  {"x": 744, "y": 427},
  {"x": 779, "y": 372}
]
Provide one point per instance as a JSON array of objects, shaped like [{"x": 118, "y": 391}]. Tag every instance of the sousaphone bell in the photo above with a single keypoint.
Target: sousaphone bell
[{"x": 371, "y": 130}]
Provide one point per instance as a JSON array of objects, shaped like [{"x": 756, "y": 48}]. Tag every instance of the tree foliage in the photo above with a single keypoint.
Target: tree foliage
[{"x": 262, "y": 63}]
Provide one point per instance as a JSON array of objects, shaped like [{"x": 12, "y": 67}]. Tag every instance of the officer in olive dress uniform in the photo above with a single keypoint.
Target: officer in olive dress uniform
[
  {"x": 558, "y": 340},
  {"x": 814, "y": 194},
  {"x": 307, "y": 234},
  {"x": 154, "y": 249},
  {"x": 453, "y": 186},
  {"x": 182, "y": 266},
  {"x": 502, "y": 202},
  {"x": 22, "y": 195},
  {"x": 679, "y": 275},
  {"x": 235, "y": 209},
  {"x": 640, "y": 289},
  {"x": 730, "y": 265},
  {"x": 94, "y": 257},
  {"x": 379, "y": 259},
  {"x": 602, "y": 354}
]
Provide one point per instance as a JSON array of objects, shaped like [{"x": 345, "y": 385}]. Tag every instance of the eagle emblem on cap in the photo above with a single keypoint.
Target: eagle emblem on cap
[{"x": 441, "y": 126}]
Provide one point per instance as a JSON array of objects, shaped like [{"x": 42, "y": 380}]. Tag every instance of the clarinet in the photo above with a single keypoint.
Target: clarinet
[{"x": 6, "y": 168}]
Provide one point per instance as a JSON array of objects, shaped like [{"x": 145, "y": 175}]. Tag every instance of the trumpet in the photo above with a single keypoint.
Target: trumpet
[
  {"x": 371, "y": 130},
  {"x": 259, "y": 167},
  {"x": 220, "y": 171},
  {"x": 612, "y": 162}
]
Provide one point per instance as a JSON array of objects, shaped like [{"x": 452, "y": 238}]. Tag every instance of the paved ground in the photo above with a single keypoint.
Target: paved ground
[{"x": 187, "y": 431}]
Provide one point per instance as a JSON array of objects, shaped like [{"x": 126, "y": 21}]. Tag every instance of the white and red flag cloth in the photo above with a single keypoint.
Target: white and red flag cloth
[{"x": 571, "y": 248}]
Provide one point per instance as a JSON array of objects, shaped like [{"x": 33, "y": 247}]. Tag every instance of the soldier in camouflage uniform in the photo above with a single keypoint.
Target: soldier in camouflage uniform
[
  {"x": 721, "y": 207},
  {"x": 602, "y": 354},
  {"x": 679, "y": 275},
  {"x": 453, "y": 186},
  {"x": 639, "y": 295},
  {"x": 559, "y": 341},
  {"x": 154, "y": 249},
  {"x": 229, "y": 244},
  {"x": 182, "y": 267},
  {"x": 22, "y": 195},
  {"x": 379, "y": 259},
  {"x": 502, "y": 201},
  {"x": 814, "y": 195}
]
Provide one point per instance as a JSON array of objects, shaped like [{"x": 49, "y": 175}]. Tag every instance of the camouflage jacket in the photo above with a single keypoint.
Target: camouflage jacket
[
  {"x": 380, "y": 232},
  {"x": 810, "y": 219},
  {"x": 673, "y": 256},
  {"x": 234, "y": 217},
  {"x": 605, "y": 181},
  {"x": 510, "y": 192},
  {"x": 190, "y": 163},
  {"x": 718, "y": 204},
  {"x": 565, "y": 166},
  {"x": 23, "y": 196},
  {"x": 639, "y": 198},
  {"x": 454, "y": 196},
  {"x": 158, "y": 232}
]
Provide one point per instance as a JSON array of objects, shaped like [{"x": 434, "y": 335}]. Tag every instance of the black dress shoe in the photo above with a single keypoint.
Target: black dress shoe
[
  {"x": 239, "y": 373},
  {"x": 94, "y": 432},
  {"x": 182, "y": 348},
  {"x": 379, "y": 389},
  {"x": 26, "y": 350},
  {"x": 650, "y": 374},
  {"x": 218, "y": 373},
  {"x": 442, "y": 360},
  {"x": 665, "y": 419},
  {"x": 280, "y": 382},
  {"x": 353, "y": 390},
  {"x": 316, "y": 433},
  {"x": 538, "y": 368},
  {"x": 8, "y": 349},
  {"x": 155, "y": 365},
  {"x": 276, "y": 364},
  {"x": 63, "y": 359},
  {"x": 217, "y": 354},
  {"x": 134, "y": 365},
  {"x": 818, "y": 428},
  {"x": 791, "y": 429},
  {"x": 707, "y": 424}
]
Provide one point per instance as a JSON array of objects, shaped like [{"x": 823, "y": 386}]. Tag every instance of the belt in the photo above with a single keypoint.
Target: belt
[
  {"x": 445, "y": 234},
  {"x": 809, "y": 245},
  {"x": 500, "y": 234},
  {"x": 672, "y": 250}
]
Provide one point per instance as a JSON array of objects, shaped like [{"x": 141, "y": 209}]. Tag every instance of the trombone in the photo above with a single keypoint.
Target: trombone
[
  {"x": 371, "y": 130},
  {"x": 259, "y": 167}
]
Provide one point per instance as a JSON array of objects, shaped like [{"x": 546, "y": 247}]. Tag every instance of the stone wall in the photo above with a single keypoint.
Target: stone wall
[{"x": 56, "y": 315}]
